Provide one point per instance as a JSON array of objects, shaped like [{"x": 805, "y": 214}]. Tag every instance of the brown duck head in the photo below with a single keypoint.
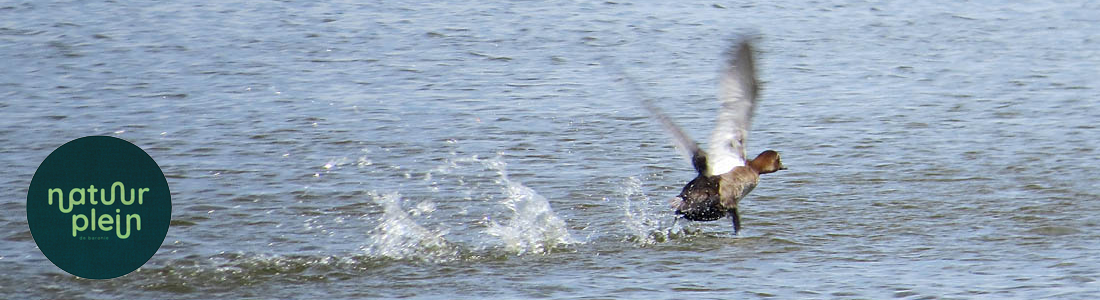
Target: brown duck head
[{"x": 767, "y": 162}]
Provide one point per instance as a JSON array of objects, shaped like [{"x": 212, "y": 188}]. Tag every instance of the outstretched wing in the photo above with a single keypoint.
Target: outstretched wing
[
  {"x": 737, "y": 92},
  {"x": 685, "y": 144}
]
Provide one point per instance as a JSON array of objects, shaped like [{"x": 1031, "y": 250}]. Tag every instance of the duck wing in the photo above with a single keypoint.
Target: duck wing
[
  {"x": 737, "y": 90},
  {"x": 687, "y": 146}
]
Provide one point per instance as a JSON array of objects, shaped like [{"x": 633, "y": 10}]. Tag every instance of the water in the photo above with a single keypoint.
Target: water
[{"x": 438, "y": 150}]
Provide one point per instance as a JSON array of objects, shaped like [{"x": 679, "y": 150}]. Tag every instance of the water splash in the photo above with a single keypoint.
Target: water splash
[
  {"x": 532, "y": 227},
  {"x": 398, "y": 236},
  {"x": 642, "y": 218},
  {"x": 517, "y": 220}
]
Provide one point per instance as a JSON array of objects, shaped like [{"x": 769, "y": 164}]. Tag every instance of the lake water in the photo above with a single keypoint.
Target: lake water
[{"x": 435, "y": 149}]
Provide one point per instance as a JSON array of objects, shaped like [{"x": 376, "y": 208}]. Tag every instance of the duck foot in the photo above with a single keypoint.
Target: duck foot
[{"x": 736, "y": 220}]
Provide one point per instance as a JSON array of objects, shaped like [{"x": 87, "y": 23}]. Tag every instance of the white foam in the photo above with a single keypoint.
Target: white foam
[
  {"x": 398, "y": 236},
  {"x": 516, "y": 219},
  {"x": 532, "y": 226},
  {"x": 642, "y": 218}
]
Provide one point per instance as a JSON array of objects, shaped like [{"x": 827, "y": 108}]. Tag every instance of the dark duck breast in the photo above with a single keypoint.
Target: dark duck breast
[{"x": 724, "y": 175}]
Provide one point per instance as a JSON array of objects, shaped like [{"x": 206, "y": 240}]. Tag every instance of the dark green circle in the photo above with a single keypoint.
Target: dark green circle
[{"x": 99, "y": 162}]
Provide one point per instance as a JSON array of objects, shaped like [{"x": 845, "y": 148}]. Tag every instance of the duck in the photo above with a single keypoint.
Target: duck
[{"x": 723, "y": 174}]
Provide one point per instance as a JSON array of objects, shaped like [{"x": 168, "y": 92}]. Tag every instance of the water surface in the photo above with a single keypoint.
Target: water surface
[{"x": 438, "y": 150}]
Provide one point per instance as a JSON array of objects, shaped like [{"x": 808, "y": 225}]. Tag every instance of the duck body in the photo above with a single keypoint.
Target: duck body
[
  {"x": 699, "y": 200},
  {"x": 709, "y": 198},
  {"x": 703, "y": 198}
]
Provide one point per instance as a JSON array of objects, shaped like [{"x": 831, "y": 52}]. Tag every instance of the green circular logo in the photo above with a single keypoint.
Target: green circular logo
[{"x": 99, "y": 207}]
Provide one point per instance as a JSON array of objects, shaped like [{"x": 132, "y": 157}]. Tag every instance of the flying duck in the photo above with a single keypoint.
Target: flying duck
[{"x": 725, "y": 176}]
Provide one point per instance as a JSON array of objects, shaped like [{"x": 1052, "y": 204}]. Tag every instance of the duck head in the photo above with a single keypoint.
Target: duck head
[{"x": 767, "y": 162}]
